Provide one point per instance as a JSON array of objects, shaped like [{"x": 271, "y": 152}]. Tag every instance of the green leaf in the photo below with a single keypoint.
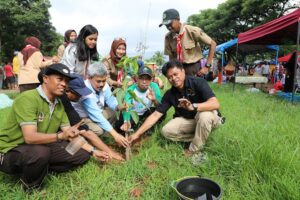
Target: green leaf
[
  {"x": 134, "y": 116},
  {"x": 116, "y": 91},
  {"x": 120, "y": 97}
]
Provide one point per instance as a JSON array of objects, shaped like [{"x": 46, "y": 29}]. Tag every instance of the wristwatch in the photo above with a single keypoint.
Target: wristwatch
[
  {"x": 208, "y": 65},
  {"x": 195, "y": 106}
]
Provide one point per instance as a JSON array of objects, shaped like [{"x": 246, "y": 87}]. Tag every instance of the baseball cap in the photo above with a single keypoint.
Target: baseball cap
[
  {"x": 168, "y": 16},
  {"x": 145, "y": 71},
  {"x": 78, "y": 85},
  {"x": 57, "y": 68}
]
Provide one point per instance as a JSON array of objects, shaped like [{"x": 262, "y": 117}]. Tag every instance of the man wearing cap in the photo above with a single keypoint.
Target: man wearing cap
[
  {"x": 146, "y": 96},
  {"x": 77, "y": 91},
  {"x": 195, "y": 108},
  {"x": 98, "y": 109},
  {"x": 30, "y": 144},
  {"x": 184, "y": 43}
]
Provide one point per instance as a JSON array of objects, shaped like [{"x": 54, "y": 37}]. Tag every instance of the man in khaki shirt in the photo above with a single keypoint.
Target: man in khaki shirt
[{"x": 183, "y": 42}]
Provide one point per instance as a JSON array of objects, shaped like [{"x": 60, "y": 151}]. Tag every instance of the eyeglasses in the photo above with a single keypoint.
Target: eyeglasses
[{"x": 120, "y": 38}]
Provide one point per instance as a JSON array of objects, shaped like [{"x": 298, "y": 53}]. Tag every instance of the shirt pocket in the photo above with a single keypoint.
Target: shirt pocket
[{"x": 189, "y": 47}]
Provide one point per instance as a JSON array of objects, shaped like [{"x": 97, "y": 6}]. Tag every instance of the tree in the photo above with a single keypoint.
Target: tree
[
  {"x": 158, "y": 58},
  {"x": 237, "y": 16},
  {"x": 22, "y": 18}
]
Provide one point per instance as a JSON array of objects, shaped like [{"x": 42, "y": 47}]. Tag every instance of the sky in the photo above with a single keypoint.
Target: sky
[{"x": 135, "y": 20}]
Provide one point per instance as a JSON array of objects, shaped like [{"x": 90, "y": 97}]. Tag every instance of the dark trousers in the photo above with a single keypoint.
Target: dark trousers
[
  {"x": 33, "y": 161},
  {"x": 191, "y": 69},
  {"x": 25, "y": 87}
]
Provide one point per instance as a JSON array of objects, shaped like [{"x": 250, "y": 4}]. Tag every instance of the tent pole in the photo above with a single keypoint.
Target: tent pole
[
  {"x": 235, "y": 69},
  {"x": 296, "y": 61}
]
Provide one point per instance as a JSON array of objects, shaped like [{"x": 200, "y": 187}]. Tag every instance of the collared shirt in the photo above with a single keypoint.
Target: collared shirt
[
  {"x": 196, "y": 90},
  {"x": 91, "y": 106},
  {"x": 191, "y": 43},
  {"x": 31, "y": 108}
]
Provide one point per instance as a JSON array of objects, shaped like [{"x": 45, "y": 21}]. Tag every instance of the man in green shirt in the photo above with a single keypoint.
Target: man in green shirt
[{"x": 30, "y": 144}]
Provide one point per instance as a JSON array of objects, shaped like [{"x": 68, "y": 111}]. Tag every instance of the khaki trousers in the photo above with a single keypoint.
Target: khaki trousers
[
  {"x": 195, "y": 130},
  {"x": 108, "y": 114}
]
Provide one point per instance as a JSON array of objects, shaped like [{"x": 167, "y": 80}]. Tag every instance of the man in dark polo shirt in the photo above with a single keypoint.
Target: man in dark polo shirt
[
  {"x": 195, "y": 109},
  {"x": 30, "y": 144},
  {"x": 184, "y": 43}
]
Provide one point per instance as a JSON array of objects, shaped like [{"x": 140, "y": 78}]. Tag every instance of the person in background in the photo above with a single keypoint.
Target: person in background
[
  {"x": 30, "y": 144},
  {"x": 195, "y": 109},
  {"x": 33, "y": 61},
  {"x": 117, "y": 51},
  {"x": 78, "y": 56},
  {"x": 17, "y": 61},
  {"x": 1, "y": 76},
  {"x": 184, "y": 43},
  {"x": 70, "y": 37},
  {"x": 98, "y": 109},
  {"x": 148, "y": 92},
  {"x": 9, "y": 75}
]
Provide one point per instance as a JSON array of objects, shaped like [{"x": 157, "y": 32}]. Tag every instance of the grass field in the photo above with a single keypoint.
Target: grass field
[{"x": 254, "y": 155}]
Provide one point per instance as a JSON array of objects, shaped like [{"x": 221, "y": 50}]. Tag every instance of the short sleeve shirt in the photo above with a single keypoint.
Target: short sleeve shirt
[
  {"x": 31, "y": 107},
  {"x": 193, "y": 38},
  {"x": 196, "y": 90}
]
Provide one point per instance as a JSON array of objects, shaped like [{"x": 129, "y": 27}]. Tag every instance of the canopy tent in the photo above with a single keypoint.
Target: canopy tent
[
  {"x": 221, "y": 48},
  {"x": 283, "y": 30},
  {"x": 287, "y": 58}
]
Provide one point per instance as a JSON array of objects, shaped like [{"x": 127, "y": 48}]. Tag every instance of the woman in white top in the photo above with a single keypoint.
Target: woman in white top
[{"x": 78, "y": 56}]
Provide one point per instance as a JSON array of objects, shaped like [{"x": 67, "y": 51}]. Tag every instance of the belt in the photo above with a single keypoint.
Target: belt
[{"x": 191, "y": 63}]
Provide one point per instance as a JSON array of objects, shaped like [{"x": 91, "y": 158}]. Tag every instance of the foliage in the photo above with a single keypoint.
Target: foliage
[
  {"x": 157, "y": 58},
  {"x": 22, "y": 18},
  {"x": 254, "y": 155},
  {"x": 130, "y": 68},
  {"x": 236, "y": 16}
]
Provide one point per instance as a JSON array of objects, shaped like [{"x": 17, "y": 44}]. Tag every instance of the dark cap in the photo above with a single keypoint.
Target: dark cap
[
  {"x": 57, "y": 68},
  {"x": 168, "y": 16},
  {"x": 145, "y": 71},
  {"x": 78, "y": 85}
]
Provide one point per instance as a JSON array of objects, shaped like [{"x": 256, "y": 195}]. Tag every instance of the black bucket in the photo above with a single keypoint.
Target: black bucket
[{"x": 196, "y": 188}]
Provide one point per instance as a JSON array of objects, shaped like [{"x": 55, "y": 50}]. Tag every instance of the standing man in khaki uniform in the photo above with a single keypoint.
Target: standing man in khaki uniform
[{"x": 183, "y": 42}]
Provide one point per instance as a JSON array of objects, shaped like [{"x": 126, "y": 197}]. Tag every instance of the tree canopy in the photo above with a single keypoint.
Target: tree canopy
[
  {"x": 236, "y": 16},
  {"x": 22, "y": 18}
]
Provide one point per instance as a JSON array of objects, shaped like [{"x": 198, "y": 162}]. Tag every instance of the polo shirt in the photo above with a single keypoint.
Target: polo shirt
[
  {"x": 195, "y": 89},
  {"x": 191, "y": 42},
  {"x": 31, "y": 107}
]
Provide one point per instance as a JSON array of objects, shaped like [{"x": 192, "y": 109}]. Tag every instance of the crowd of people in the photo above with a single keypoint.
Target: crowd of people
[{"x": 69, "y": 96}]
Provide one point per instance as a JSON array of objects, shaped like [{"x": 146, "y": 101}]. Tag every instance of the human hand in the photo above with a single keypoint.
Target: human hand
[
  {"x": 125, "y": 126},
  {"x": 123, "y": 107},
  {"x": 133, "y": 138},
  {"x": 72, "y": 132},
  {"x": 119, "y": 84},
  {"x": 101, "y": 155},
  {"x": 121, "y": 140},
  {"x": 116, "y": 156},
  {"x": 185, "y": 104},
  {"x": 203, "y": 71},
  {"x": 151, "y": 94}
]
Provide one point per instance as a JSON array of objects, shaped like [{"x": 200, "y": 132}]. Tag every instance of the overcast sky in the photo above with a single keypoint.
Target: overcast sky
[{"x": 135, "y": 20}]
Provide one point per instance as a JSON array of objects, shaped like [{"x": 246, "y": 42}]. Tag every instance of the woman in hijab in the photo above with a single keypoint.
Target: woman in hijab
[
  {"x": 78, "y": 56},
  {"x": 33, "y": 61},
  {"x": 70, "y": 37},
  {"x": 117, "y": 51}
]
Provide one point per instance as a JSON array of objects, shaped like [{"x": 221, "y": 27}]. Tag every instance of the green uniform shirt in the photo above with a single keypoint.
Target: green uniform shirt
[{"x": 31, "y": 107}]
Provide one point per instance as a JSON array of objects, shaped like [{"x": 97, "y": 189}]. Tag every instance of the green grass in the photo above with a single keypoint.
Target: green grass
[{"x": 254, "y": 155}]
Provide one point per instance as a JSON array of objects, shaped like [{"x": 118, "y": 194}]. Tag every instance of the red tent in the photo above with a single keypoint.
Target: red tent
[
  {"x": 278, "y": 31},
  {"x": 287, "y": 57}
]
